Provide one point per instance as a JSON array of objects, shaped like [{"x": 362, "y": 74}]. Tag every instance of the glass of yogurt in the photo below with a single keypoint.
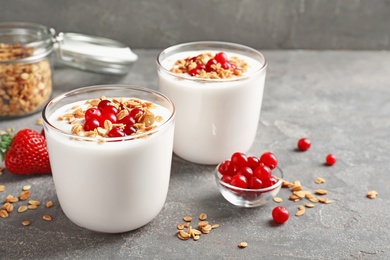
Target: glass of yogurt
[
  {"x": 107, "y": 181},
  {"x": 217, "y": 88}
]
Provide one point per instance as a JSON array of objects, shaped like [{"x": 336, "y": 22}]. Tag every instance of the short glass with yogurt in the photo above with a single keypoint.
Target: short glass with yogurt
[
  {"x": 215, "y": 116},
  {"x": 110, "y": 184}
]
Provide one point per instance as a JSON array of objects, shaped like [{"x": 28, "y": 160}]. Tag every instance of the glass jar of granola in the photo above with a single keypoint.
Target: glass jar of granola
[
  {"x": 25, "y": 68},
  {"x": 28, "y": 52}
]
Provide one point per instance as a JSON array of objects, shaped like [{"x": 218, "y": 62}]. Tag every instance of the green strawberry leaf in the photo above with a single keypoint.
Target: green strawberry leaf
[{"x": 5, "y": 142}]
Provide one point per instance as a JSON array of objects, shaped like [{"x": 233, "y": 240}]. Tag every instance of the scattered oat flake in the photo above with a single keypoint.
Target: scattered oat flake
[
  {"x": 309, "y": 205},
  {"x": 22, "y": 208},
  {"x": 34, "y": 202},
  {"x": 26, "y": 223},
  {"x": 319, "y": 180},
  {"x": 203, "y": 216},
  {"x": 9, "y": 207},
  {"x": 39, "y": 121},
  {"x": 49, "y": 204},
  {"x": 24, "y": 195},
  {"x": 26, "y": 187},
  {"x": 47, "y": 217},
  {"x": 278, "y": 199},
  {"x": 187, "y": 219},
  {"x": 3, "y": 213},
  {"x": 215, "y": 226},
  {"x": 321, "y": 192},
  {"x": 10, "y": 198},
  {"x": 372, "y": 194},
  {"x": 301, "y": 211},
  {"x": 180, "y": 226},
  {"x": 2, "y": 188},
  {"x": 32, "y": 206},
  {"x": 242, "y": 244}
]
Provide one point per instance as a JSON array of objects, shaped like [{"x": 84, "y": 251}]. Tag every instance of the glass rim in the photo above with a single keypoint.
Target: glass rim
[
  {"x": 211, "y": 44},
  {"x": 84, "y": 90}
]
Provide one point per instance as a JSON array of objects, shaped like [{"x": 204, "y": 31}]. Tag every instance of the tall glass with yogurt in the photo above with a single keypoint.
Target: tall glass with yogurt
[
  {"x": 110, "y": 184},
  {"x": 216, "y": 116}
]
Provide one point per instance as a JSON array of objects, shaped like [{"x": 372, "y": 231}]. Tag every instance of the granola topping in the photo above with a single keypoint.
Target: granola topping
[
  {"x": 114, "y": 117},
  {"x": 209, "y": 66}
]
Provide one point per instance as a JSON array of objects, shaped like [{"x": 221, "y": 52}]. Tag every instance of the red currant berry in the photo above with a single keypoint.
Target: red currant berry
[
  {"x": 110, "y": 117},
  {"x": 91, "y": 124},
  {"x": 226, "y": 65},
  {"x": 246, "y": 171},
  {"x": 226, "y": 179},
  {"x": 127, "y": 120},
  {"x": 129, "y": 129},
  {"x": 103, "y": 103},
  {"x": 263, "y": 172},
  {"x": 331, "y": 159},
  {"x": 269, "y": 159},
  {"x": 255, "y": 183},
  {"x": 239, "y": 159},
  {"x": 227, "y": 168},
  {"x": 116, "y": 132},
  {"x": 201, "y": 66},
  {"x": 239, "y": 181},
  {"x": 109, "y": 110},
  {"x": 280, "y": 214},
  {"x": 136, "y": 113},
  {"x": 304, "y": 144},
  {"x": 253, "y": 162},
  {"x": 92, "y": 113},
  {"x": 210, "y": 65},
  {"x": 194, "y": 72},
  {"x": 221, "y": 57}
]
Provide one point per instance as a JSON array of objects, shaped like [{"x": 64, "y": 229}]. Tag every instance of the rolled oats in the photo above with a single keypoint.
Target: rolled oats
[
  {"x": 242, "y": 244},
  {"x": 203, "y": 216},
  {"x": 321, "y": 192},
  {"x": 319, "y": 180},
  {"x": 372, "y": 194},
  {"x": 278, "y": 200},
  {"x": 24, "y": 195},
  {"x": 26, "y": 187},
  {"x": 9, "y": 207},
  {"x": 26, "y": 223},
  {"x": 47, "y": 217},
  {"x": 22, "y": 208},
  {"x": 11, "y": 199},
  {"x": 3, "y": 213}
]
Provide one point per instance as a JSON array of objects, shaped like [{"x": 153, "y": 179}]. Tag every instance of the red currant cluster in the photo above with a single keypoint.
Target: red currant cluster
[
  {"x": 249, "y": 172},
  {"x": 96, "y": 116},
  {"x": 211, "y": 65}
]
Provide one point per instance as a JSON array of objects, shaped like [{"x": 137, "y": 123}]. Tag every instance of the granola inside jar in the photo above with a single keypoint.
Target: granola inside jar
[{"x": 25, "y": 68}]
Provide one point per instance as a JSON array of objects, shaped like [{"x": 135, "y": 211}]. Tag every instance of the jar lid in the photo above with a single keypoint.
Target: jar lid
[{"x": 93, "y": 53}]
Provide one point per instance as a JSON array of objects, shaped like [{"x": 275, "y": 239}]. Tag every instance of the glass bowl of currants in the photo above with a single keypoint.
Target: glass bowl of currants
[{"x": 249, "y": 181}]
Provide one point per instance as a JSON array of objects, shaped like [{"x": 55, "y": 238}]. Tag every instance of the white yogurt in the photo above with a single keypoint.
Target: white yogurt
[
  {"x": 111, "y": 186},
  {"x": 215, "y": 117}
]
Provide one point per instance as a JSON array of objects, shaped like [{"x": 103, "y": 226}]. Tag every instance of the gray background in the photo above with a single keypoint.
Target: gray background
[{"x": 262, "y": 24}]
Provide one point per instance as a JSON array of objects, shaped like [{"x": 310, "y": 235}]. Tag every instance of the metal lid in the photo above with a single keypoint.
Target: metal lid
[{"x": 93, "y": 53}]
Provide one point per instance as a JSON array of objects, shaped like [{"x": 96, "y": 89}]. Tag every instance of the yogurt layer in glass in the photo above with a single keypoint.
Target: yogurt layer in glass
[
  {"x": 110, "y": 184},
  {"x": 215, "y": 116}
]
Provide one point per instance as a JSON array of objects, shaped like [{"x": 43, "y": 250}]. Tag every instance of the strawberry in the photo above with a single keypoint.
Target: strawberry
[{"x": 25, "y": 153}]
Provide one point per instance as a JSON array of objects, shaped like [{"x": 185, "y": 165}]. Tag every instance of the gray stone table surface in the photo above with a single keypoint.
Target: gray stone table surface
[{"x": 339, "y": 99}]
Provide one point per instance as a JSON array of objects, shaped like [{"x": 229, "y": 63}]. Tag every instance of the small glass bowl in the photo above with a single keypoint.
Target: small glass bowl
[{"x": 249, "y": 198}]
